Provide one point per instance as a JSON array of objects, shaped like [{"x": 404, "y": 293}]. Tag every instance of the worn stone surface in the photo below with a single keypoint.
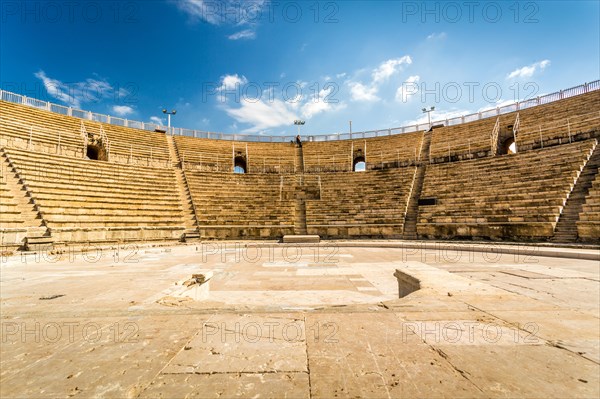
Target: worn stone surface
[{"x": 298, "y": 323}]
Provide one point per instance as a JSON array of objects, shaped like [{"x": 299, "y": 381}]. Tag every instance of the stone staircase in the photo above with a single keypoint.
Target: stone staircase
[
  {"x": 189, "y": 211},
  {"x": 566, "y": 228},
  {"x": 300, "y": 195},
  {"x": 412, "y": 211},
  {"x": 299, "y": 162},
  {"x": 300, "y": 198},
  {"x": 38, "y": 236}
]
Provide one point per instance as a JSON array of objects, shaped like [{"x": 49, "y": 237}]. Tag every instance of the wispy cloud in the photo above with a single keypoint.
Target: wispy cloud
[
  {"x": 529, "y": 70},
  {"x": 226, "y": 13},
  {"x": 76, "y": 93},
  {"x": 368, "y": 92},
  {"x": 269, "y": 112},
  {"x": 232, "y": 82},
  {"x": 223, "y": 12},
  {"x": 58, "y": 89},
  {"x": 360, "y": 92},
  {"x": 157, "y": 120},
  {"x": 388, "y": 68},
  {"x": 262, "y": 115},
  {"x": 437, "y": 36},
  {"x": 438, "y": 115},
  {"x": 246, "y": 34},
  {"x": 322, "y": 103},
  {"x": 122, "y": 110},
  {"x": 408, "y": 89}
]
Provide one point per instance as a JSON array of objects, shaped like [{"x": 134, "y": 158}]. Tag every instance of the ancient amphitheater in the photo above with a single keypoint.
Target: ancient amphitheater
[{"x": 463, "y": 262}]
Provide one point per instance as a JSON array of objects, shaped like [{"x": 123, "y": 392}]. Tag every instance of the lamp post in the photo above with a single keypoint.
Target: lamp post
[
  {"x": 299, "y": 123},
  {"x": 428, "y": 112},
  {"x": 169, "y": 119}
]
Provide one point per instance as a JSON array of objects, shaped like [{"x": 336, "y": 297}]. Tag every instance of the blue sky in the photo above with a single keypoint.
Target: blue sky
[{"x": 256, "y": 66}]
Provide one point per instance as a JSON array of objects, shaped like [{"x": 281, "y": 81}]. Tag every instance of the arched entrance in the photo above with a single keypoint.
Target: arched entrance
[
  {"x": 96, "y": 153},
  {"x": 239, "y": 165},
  {"x": 359, "y": 164},
  {"x": 508, "y": 146}
]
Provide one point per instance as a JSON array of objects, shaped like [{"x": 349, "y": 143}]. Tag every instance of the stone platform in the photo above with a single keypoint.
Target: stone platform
[
  {"x": 301, "y": 239},
  {"x": 318, "y": 321}
]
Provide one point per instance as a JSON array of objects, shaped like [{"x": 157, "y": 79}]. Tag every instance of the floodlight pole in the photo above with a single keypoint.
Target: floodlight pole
[
  {"x": 299, "y": 123},
  {"x": 169, "y": 119},
  {"x": 428, "y": 112}
]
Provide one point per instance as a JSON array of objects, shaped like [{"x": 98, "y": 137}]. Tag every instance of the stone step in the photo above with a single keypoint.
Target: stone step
[
  {"x": 35, "y": 243},
  {"x": 301, "y": 239}
]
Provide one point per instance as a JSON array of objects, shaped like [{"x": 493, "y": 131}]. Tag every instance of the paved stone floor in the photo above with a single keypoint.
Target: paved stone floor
[{"x": 298, "y": 322}]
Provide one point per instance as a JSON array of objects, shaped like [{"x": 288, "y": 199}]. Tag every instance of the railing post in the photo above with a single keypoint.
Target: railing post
[{"x": 351, "y": 156}]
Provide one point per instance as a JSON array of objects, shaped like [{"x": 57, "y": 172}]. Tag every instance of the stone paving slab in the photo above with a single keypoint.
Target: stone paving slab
[
  {"x": 244, "y": 344},
  {"x": 229, "y": 385},
  {"x": 372, "y": 357}
]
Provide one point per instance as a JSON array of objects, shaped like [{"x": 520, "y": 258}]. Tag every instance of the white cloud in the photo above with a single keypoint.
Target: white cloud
[
  {"x": 437, "y": 36},
  {"x": 122, "y": 110},
  {"x": 360, "y": 92},
  {"x": 388, "y": 68},
  {"x": 438, "y": 116},
  {"x": 268, "y": 111},
  {"x": 368, "y": 92},
  {"x": 528, "y": 71},
  {"x": 57, "y": 89},
  {"x": 157, "y": 120},
  {"x": 321, "y": 104},
  {"x": 76, "y": 93},
  {"x": 262, "y": 115},
  {"x": 232, "y": 82},
  {"x": 245, "y": 34},
  {"x": 498, "y": 104},
  {"x": 408, "y": 89}
]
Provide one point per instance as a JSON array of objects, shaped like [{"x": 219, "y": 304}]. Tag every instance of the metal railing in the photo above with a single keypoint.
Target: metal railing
[
  {"x": 494, "y": 137},
  {"x": 32, "y": 139},
  {"x": 69, "y": 111}
]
